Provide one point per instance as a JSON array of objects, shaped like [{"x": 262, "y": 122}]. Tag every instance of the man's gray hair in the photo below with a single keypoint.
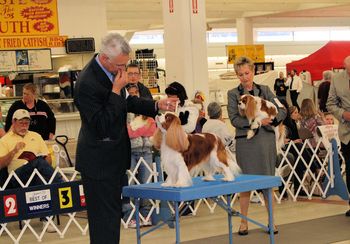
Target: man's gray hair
[
  {"x": 113, "y": 44},
  {"x": 327, "y": 75},
  {"x": 214, "y": 110}
]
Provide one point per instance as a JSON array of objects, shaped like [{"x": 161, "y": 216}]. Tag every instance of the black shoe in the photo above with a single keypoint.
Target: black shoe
[
  {"x": 242, "y": 232},
  {"x": 347, "y": 213},
  {"x": 275, "y": 231}
]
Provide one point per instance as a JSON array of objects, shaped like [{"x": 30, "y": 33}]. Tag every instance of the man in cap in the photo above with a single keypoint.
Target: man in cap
[{"x": 23, "y": 151}]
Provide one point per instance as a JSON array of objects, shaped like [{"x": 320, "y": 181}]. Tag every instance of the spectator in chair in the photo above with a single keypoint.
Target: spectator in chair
[
  {"x": 22, "y": 151},
  {"x": 338, "y": 104},
  {"x": 216, "y": 125},
  {"x": 42, "y": 119}
]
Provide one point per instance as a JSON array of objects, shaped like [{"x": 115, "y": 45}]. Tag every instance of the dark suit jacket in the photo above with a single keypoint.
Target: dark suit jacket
[{"x": 103, "y": 149}]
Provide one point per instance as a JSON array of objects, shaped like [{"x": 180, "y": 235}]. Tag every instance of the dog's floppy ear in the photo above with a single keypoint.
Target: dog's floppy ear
[
  {"x": 176, "y": 137},
  {"x": 157, "y": 138},
  {"x": 250, "y": 107}
]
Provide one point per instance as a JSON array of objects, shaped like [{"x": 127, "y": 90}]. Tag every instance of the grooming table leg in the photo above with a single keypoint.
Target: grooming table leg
[
  {"x": 229, "y": 218},
  {"x": 177, "y": 222},
  {"x": 137, "y": 218},
  {"x": 271, "y": 225}
]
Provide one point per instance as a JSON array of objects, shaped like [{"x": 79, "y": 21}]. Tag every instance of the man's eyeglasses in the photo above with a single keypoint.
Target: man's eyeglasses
[
  {"x": 23, "y": 122},
  {"x": 119, "y": 66},
  {"x": 133, "y": 74}
]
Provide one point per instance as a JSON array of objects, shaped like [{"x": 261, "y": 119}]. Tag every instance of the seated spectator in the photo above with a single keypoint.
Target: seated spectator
[
  {"x": 216, "y": 125},
  {"x": 22, "y": 151},
  {"x": 140, "y": 129},
  {"x": 291, "y": 122},
  {"x": 42, "y": 119},
  {"x": 310, "y": 119},
  {"x": 328, "y": 119}
]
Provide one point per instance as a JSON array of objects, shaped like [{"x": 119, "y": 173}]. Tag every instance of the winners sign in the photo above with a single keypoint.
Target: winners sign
[{"x": 38, "y": 201}]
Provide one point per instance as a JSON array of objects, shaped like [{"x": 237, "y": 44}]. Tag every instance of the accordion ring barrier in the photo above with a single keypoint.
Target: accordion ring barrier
[{"x": 68, "y": 197}]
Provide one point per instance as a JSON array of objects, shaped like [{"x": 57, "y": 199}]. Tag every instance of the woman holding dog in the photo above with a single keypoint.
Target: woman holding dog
[{"x": 258, "y": 154}]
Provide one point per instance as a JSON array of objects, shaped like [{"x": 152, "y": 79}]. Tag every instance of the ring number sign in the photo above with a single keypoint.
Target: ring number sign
[
  {"x": 65, "y": 196},
  {"x": 10, "y": 206}
]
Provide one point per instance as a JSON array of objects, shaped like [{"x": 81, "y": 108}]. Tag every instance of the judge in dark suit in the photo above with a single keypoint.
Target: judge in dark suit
[{"x": 103, "y": 150}]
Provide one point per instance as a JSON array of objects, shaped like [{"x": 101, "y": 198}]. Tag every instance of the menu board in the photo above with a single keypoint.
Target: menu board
[{"x": 25, "y": 60}]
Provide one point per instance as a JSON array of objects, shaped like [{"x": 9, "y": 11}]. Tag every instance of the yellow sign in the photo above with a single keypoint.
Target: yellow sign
[
  {"x": 26, "y": 42},
  {"x": 255, "y": 52},
  {"x": 28, "y": 17},
  {"x": 65, "y": 195}
]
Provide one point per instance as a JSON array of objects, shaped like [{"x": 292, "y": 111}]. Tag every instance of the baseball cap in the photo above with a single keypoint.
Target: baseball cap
[{"x": 21, "y": 114}]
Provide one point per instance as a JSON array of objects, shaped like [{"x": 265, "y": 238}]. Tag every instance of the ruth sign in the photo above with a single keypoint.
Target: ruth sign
[{"x": 28, "y": 24}]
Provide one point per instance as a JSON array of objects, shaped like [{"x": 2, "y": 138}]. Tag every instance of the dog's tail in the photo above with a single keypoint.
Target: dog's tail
[
  {"x": 232, "y": 162},
  {"x": 280, "y": 132}
]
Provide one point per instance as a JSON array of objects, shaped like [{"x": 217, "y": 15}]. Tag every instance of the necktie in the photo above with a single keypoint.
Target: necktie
[{"x": 291, "y": 84}]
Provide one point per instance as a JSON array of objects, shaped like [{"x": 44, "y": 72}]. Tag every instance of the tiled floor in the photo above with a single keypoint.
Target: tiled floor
[{"x": 204, "y": 224}]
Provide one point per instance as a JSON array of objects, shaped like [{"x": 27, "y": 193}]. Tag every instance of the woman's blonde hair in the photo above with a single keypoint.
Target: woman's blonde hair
[
  {"x": 243, "y": 60},
  {"x": 308, "y": 109},
  {"x": 30, "y": 87}
]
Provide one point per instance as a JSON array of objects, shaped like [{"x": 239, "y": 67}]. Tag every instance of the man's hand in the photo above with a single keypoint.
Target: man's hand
[
  {"x": 346, "y": 115},
  {"x": 120, "y": 80},
  {"x": 266, "y": 121},
  {"x": 168, "y": 104},
  {"x": 19, "y": 146}
]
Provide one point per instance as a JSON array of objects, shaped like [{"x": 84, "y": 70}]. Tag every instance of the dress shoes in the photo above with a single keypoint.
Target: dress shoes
[
  {"x": 275, "y": 231},
  {"x": 243, "y": 232}
]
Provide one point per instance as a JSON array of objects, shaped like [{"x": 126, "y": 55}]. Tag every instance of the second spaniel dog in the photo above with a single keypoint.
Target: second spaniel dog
[
  {"x": 185, "y": 155},
  {"x": 256, "y": 109}
]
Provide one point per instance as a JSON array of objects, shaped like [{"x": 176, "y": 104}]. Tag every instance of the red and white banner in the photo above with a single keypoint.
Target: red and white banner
[
  {"x": 171, "y": 6},
  {"x": 195, "y": 6}
]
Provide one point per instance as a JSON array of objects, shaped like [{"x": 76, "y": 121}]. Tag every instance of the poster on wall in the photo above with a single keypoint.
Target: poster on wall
[
  {"x": 255, "y": 52},
  {"x": 28, "y": 24},
  {"x": 25, "y": 60}
]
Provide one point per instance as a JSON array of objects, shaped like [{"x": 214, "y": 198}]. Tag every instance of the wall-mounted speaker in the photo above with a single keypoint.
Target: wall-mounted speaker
[{"x": 80, "y": 45}]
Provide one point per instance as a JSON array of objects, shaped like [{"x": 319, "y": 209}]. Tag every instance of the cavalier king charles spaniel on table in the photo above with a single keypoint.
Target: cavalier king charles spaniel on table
[
  {"x": 256, "y": 109},
  {"x": 184, "y": 155}
]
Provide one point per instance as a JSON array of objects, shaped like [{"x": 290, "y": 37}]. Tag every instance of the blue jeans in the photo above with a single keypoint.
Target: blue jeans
[
  {"x": 24, "y": 172},
  {"x": 142, "y": 175},
  {"x": 142, "y": 172}
]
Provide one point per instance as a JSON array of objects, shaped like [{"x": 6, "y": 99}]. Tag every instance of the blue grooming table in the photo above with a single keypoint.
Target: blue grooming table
[{"x": 204, "y": 189}]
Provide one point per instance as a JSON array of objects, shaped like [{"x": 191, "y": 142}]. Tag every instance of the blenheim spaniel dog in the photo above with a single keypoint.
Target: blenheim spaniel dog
[
  {"x": 256, "y": 109},
  {"x": 185, "y": 155}
]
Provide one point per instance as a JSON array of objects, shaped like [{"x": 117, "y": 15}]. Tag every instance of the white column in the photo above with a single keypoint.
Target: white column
[
  {"x": 185, "y": 44},
  {"x": 244, "y": 31}
]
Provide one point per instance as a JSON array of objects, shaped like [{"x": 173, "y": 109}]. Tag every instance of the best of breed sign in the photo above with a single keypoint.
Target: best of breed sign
[{"x": 38, "y": 201}]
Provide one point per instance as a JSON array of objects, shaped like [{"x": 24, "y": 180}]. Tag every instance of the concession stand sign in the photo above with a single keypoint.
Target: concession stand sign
[
  {"x": 255, "y": 52},
  {"x": 29, "y": 24}
]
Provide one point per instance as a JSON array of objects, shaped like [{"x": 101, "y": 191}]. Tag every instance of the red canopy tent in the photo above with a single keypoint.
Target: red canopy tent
[{"x": 327, "y": 57}]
